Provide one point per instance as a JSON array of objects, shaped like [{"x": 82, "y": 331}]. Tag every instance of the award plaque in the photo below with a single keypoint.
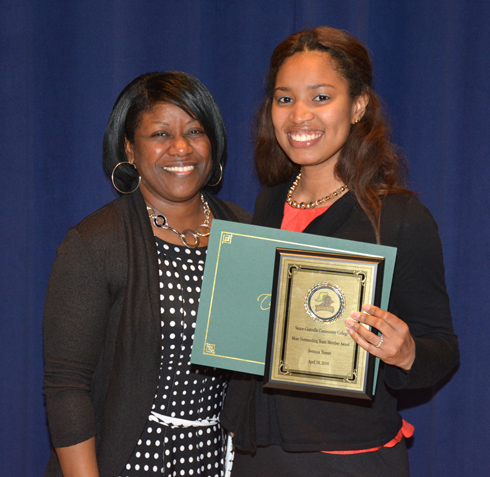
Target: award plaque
[
  {"x": 309, "y": 348},
  {"x": 232, "y": 324}
]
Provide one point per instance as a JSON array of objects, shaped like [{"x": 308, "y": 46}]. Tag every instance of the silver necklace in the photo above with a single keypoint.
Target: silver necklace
[
  {"x": 310, "y": 205},
  {"x": 203, "y": 230}
]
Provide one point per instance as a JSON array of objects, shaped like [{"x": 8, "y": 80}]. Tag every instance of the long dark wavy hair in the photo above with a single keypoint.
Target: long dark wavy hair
[{"x": 369, "y": 163}]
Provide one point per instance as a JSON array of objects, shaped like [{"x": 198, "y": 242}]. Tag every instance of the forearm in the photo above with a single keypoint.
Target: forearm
[
  {"x": 79, "y": 460},
  {"x": 435, "y": 358}
]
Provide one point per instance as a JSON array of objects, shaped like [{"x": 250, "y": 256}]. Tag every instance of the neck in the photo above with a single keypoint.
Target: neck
[
  {"x": 316, "y": 184},
  {"x": 181, "y": 216},
  {"x": 185, "y": 214}
]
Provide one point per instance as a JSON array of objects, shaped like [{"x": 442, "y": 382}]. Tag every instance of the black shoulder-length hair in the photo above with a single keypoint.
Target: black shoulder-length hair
[{"x": 141, "y": 95}]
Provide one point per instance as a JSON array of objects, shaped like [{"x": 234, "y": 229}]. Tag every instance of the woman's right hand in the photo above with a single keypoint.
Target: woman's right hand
[{"x": 398, "y": 346}]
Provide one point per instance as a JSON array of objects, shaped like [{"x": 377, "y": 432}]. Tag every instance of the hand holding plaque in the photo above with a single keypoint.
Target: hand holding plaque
[{"x": 309, "y": 348}]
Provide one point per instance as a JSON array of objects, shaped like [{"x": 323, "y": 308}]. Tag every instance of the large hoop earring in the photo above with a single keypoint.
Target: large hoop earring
[
  {"x": 114, "y": 184},
  {"x": 220, "y": 177}
]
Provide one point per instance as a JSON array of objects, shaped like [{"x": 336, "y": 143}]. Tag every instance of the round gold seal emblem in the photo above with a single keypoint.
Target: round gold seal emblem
[{"x": 325, "y": 302}]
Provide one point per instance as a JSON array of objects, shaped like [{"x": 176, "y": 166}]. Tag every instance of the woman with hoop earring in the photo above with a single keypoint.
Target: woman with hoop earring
[{"x": 122, "y": 397}]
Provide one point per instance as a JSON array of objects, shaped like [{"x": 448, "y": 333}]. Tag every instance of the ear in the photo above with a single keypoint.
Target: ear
[
  {"x": 359, "y": 106},
  {"x": 128, "y": 149}
]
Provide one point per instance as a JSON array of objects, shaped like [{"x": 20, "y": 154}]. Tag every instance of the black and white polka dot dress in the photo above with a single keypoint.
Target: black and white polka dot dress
[{"x": 185, "y": 392}]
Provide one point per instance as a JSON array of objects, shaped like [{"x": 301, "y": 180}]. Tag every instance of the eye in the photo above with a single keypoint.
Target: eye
[
  {"x": 196, "y": 132},
  {"x": 284, "y": 99},
  {"x": 321, "y": 97},
  {"x": 160, "y": 134}
]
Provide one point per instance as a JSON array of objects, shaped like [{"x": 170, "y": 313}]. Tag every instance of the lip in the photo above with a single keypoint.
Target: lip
[{"x": 303, "y": 139}]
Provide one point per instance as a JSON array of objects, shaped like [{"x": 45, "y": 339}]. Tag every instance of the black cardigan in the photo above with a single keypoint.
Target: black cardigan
[
  {"x": 101, "y": 330},
  {"x": 310, "y": 422}
]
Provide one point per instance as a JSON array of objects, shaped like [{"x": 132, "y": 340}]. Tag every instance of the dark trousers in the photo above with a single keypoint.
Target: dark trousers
[{"x": 273, "y": 461}]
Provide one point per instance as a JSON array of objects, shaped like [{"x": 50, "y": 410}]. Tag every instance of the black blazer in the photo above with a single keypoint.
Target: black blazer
[
  {"x": 307, "y": 422},
  {"x": 102, "y": 330}
]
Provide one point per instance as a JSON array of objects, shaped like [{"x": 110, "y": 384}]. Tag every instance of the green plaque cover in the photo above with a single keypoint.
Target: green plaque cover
[{"x": 234, "y": 310}]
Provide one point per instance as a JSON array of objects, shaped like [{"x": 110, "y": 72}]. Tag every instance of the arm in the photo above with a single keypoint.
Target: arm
[
  {"x": 79, "y": 460},
  {"x": 419, "y": 343},
  {"x": 75, "y": 314}
]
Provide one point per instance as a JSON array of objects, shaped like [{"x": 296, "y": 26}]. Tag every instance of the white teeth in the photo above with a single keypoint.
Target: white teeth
[
  {"x": 179, "y": 168},
  {"x": 304, "y": 137}
]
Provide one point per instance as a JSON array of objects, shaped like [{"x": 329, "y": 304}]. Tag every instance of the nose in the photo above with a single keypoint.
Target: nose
[
  {"x": 180, "y": 147},
  {"x": 300, "y": 113}
]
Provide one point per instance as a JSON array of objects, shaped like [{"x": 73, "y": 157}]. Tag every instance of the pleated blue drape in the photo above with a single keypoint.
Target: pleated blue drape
[{"x": 62, "y": 65}]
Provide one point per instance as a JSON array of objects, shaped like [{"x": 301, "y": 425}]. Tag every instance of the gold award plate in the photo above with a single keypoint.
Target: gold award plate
[{"x": 309, "y": 348}]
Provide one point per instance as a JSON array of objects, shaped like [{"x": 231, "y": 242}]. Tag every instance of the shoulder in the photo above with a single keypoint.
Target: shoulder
[
  {"x": 405, "y": 201},
  {"x": 243, "y": 215},
  {"x": 101, "y": 221},
  {"x": 404, "y": 214},
  {"x": 112, "y": 218},
  {"x": 97, "y": 237},
  {"x": 271, "y": 197},
  {"x": 408, "y": 225},
  {"x": 267, "y": 193},
  {"x": 225, "y": 210}
]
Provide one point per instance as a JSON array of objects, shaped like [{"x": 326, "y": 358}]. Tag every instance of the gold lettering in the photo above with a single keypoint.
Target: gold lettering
[{"x": 265, "y": 301}]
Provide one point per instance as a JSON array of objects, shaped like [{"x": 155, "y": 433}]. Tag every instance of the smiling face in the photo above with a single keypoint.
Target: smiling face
[
  {"x": 172, "y": 154},
  {"x": 312, "y": 111}
]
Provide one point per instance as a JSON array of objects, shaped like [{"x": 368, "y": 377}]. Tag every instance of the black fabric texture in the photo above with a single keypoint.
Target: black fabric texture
[
  {"x": 312, "y": 422},
  {"x": 102, "y": 330}
]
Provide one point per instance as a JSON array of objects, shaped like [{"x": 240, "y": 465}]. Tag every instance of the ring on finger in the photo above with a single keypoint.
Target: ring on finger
[{"x": 380, "y": 341}]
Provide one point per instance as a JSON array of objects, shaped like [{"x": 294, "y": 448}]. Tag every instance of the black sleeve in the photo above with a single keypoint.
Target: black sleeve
[
  {"x": 75, "y": 313},
  {"x": 419, "y": 298}
]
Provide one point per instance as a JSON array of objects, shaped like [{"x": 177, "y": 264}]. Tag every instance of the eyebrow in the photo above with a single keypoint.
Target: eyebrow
[
  {"x": 163, "y": 123},
  {"x": 310, "y": 87}
]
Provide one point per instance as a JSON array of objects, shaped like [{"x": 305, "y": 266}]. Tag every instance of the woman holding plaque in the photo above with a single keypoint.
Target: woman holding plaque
[
  {"x": 122, "y": 397},
  {"x": 328, "y": 167}
]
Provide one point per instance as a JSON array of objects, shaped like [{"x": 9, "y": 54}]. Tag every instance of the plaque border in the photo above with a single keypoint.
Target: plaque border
[{"x": 322, "y": 383}]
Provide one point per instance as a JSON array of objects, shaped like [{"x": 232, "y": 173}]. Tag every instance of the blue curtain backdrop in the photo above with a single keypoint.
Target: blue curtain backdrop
[{"x": 62, "y": 67}]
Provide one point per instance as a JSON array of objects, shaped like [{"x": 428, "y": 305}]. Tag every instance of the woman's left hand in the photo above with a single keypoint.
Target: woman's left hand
[{"x": 394, "y": 346}]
